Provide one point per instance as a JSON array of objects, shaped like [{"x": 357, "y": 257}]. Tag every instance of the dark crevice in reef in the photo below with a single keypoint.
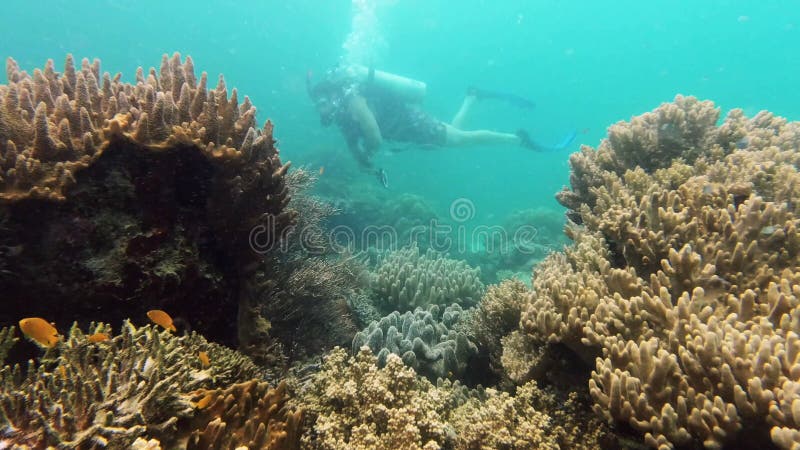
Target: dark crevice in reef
[{"x": 132, "y": 235}]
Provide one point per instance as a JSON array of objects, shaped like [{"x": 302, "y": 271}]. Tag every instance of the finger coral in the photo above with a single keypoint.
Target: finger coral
[
  {"x": 682, "y": 278},
  {"x": 406, "y": 279},
  {"x": 83, "y": 394},
  {"x": 426, "y": 340},
  {"x": 144, "y": 193}
]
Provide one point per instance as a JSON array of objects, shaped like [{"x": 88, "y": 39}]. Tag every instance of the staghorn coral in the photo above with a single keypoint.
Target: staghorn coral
[
  {"x": 352, "y": 404},
  {"x": 107, "y": 394},
  {"x": 406, "y": 279},
  {"x": 251, "y": 415},
  {"x": 426, "y": 340},
  {"x": 683, "y": 279},
  {"x": 141, "y": 193}
]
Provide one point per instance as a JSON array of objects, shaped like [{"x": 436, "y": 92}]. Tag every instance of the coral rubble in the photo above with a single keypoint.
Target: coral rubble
[
  {"x": 425, "y": 339},
  {"x": 682, "y": 280}
]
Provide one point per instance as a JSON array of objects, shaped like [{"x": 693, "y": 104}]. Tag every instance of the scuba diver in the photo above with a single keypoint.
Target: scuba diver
[{"x": 370, "y": 106}]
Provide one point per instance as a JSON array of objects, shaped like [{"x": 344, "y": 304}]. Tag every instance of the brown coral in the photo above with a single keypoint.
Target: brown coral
[
  {"x": 250, "y": 414},
  {"x": 144, "y": 192},
  {"x": 684, "y": 278}
]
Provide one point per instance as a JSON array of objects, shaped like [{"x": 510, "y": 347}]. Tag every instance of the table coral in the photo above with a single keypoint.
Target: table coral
[
  {"x": 426, "y": 340},
  {"x": 682, "y": 278},
  {"x": 406, "y": 279},
  {"x": 144, "y": 194}
]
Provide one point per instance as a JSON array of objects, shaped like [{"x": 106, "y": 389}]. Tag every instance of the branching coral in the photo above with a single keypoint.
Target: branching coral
[
  {"x": 352, "y": 404},
  {"x": 7, "y": 340},
  {"x": 684, "y": 278},
  {"x": 504, "y": 421},
  {"x": 530, "y": 419},
  {"x": 107, "y": 394},
  {"x": 426, "y": 340},
  {"x": 406, "y": 279},
  {"x": 250, "y": 415}
]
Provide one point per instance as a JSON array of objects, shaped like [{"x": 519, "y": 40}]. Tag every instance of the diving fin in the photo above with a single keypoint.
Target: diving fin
[{"x": 511, "y": 99}]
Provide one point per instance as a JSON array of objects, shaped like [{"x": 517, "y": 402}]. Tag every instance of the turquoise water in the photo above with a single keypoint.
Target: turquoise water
[{"x": 585, "y": 64}]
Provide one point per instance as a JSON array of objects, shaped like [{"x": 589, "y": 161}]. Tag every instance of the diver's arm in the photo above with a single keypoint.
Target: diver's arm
[{"x": 366, "y": 120}]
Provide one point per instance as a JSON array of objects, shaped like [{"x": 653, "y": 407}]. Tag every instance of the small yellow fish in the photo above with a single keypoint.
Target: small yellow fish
[
  {"x": 40, "y": 331},
  {"x": 204, "y": 359},
  {"x": 159, "y": 317},
  {"x": 98, "y": 337},
  {"x": 205, "y": 401},
  {"x": 63, "y": 371},
  {"x": 322, "y": 170}
]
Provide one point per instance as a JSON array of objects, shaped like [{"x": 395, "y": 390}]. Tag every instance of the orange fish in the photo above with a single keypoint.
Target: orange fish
[
  {"x": 159, "y": 317},
  {"x": 205, "y": 401},
  {"x": 204, "y": 359},
  {"x": 40, "y": 331},
  {"x": 98, "y": 337},
  {"x": 322, "y": 170}
]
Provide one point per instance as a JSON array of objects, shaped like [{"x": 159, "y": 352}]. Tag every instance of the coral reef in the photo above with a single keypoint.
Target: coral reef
[
  {"x": 139, "y": 194},
  {"x": 83, "y": 394},
  {"x": 305, "y": 286},
  {"x": 530, "y": 419},
  {"x": 496, "y": 316},
  {"x": 504, "y": 421},
  {"x": 251, "y": 415},
  {"x": 425, "y": 339},
  {"x": 522, "y": 240},
  {"x": 406, "y": 279},
  {"x": 352, "y": 404},
  {"x": 7, "y": 340},
  {"x": 682, "y": 280}
]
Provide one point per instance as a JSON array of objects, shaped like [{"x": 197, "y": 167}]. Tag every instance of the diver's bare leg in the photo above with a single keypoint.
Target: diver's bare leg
[
  {"x": 461, "y": 115},
  {"x": 462, "y": 138}
]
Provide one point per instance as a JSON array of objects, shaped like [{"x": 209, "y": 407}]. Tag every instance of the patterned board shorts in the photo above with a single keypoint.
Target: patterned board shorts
[{"x": 412, "y": 124}]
